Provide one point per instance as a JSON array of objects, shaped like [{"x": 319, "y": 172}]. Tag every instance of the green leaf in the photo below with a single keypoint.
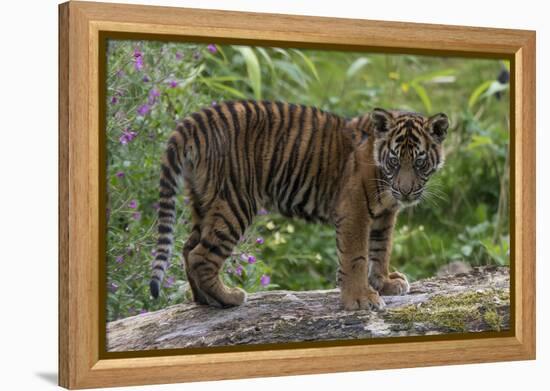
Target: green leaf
[
  {"x": 222, "y": 52},
  {"x": 223, "y": 87},
  {"x": 466, "y": 250},
  {"x": 216, "y": 59},
  {"x": 356, "y": 66},
  {"x": 192, "y": 76},
  {"x": 423, "y": 95},
  {"x": 294, "y": 72},
  {"x": 253, "y": 69},
  {"x": 499, "y": 252},
  {"x": 267, "y": 58},
  {"x": 308, "y": 62},
  {"x": 479, "y": 141},
  {"x": 477, "y": 93},
  {"x": 283, "y": 52},
  {"x": 223, "y": 78},
  {"x": 481, "y": 212}
]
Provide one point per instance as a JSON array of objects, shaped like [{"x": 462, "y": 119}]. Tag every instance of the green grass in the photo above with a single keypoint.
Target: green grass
[{"x": 150, "y": 85}]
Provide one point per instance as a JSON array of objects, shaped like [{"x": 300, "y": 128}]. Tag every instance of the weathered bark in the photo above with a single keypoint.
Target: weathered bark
[{"x": 468, "y": 302}]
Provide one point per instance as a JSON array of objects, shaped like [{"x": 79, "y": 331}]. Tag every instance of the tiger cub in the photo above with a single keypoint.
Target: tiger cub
[{"x": 236, "y": 157}]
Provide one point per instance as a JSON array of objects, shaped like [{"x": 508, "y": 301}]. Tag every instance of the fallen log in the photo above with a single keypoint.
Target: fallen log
[{"x": 466, "y": 302}]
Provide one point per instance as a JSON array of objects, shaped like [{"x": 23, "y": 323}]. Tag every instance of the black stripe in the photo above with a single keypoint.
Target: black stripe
[
  {"x": 378, "y": 249},
  {"x": 214, "y": 249},
  {"x": 240, "y": 197},
  {"x": 282, "y": 167},
  {"x": 167, "y": 173},
  {"x": 415, "y": 139},
  {"x": 305, "y": 164},
  {"x": 357, "y": 259},
  {"x": 378, "y": 233},
  {"x": 212, "y": 127},
  {"x": 207, "y": 266},
  {"x": 262, "y": 132},
  {"x": 280, "y": 139},
  {"x": 227, "y": 248},
  {"x": 290, "y": 167},
  {"x": 235, "y": 160},
  {"x": 221, "y": 114},
  {"x": 166, "y": 189},
  {"x": 325, "y": 185},
  {"x": 171, "y": 154},
  {"x": 378, "y": 237},
  {"x": 204, "y": 131},
  {"x": 223, "y": 237},
  {"x": 197, "y": 145},
  {"x": 202, "y": 125},
  {"x": 320, "y": 164},
  {"x": 230, "y": 227},
  {"x": 163, "y": 240},
  {"x": 234, "y": 209},
  {"x": 162, "y": 214},
  {"x": 305, "y": 198},
  {"x": 205, "y": 280},
  {"x": 167, "y": 205},
  {"x": 377, "y": 183},
  {"x": 164, "y": 229},
  {"x": 382, "y": 146},
  {"x": 249, "y": 183}
]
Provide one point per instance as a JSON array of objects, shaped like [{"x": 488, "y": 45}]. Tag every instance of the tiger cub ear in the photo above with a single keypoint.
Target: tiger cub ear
[
  {"x": 381, "y": 121},
  {"x": 437, "y": 126}
]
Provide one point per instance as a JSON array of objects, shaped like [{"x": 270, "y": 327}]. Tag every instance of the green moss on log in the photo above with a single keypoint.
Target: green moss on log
[{"x": 454, "y": 312}]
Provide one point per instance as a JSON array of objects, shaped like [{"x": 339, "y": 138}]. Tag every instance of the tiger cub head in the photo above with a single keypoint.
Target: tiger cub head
[{"x": 408, "y": 150}]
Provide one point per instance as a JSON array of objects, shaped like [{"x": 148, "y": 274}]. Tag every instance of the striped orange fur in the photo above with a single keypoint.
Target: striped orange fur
[{"x": 237, "y": 157}]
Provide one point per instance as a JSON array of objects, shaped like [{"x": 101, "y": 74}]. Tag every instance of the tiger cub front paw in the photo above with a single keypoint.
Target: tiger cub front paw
[
  {"x": 396, "y": 284},
  {"x": 362, "y": 298}
]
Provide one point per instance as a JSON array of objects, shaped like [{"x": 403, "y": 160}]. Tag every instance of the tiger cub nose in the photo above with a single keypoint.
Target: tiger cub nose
[{"x": 406, "y": 191}]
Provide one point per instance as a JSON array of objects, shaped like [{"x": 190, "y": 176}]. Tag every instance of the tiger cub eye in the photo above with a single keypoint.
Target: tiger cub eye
[
  {"x": 394, "y": 162},
  {"x": 420, "y": 163}
]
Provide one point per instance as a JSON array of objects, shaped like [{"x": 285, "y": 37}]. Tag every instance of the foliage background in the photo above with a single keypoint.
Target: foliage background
[{"x": 150, "y": 85}]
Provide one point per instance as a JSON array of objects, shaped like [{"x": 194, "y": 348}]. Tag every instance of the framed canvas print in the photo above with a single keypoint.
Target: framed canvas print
[{"x": 247, "y": 195}]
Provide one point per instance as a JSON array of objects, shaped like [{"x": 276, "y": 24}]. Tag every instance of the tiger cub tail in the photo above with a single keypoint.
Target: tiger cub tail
[{"x": 170, "y": 179}]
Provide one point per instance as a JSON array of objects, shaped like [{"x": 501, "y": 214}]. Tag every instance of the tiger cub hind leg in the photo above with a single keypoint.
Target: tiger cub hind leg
[
  {"x": 204, "y": 262},
  {"x": 190, "y": 244},
  {"x": 203, "y": 268}
]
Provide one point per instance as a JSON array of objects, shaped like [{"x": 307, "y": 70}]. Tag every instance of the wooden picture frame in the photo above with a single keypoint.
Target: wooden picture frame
[{"x": 82, "y": 27}]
